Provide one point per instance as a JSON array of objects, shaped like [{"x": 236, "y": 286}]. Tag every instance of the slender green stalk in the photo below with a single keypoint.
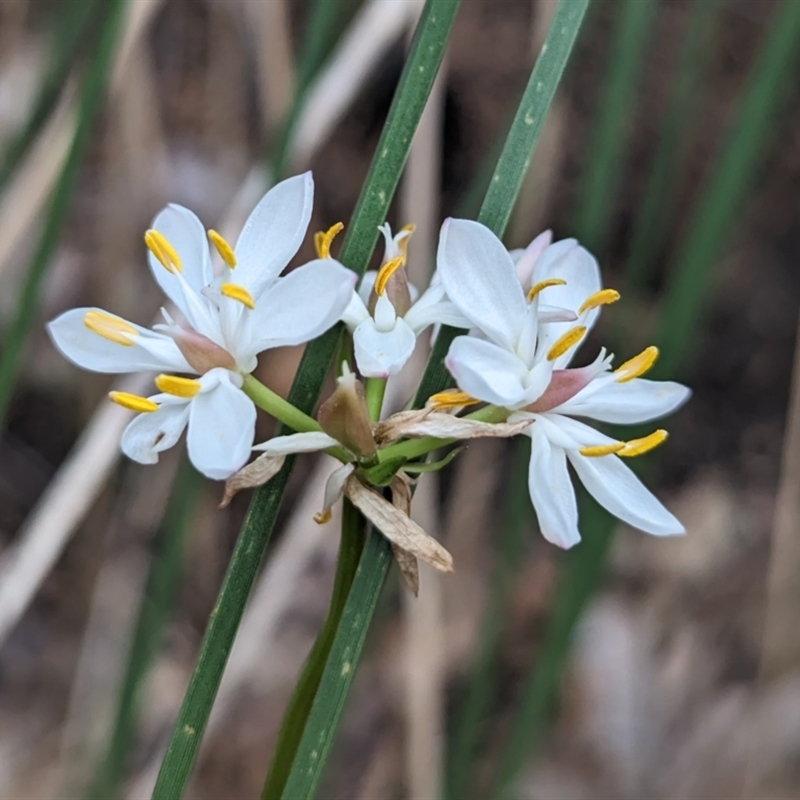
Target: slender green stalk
[
  {"x": 354, "y": 531},
  {"x": 340, "y": 669},
  {"x": 607, "y": 148},
  {"x": 276, "y": 406},
  {"x": 376, "y": 559},
  {"x": 482, "y": 682},
  {"x": 674, "y": 142},
  {"x": 162, "y": 581},
  {"x": 92, "y": 93},
  {"x": 514, "y": 160},
  {"x": 415, "y": 85},
  {"x": 375, "y": 389},
  {"x": 679, "y": 316},
  {"x": 71, "y": 25}
]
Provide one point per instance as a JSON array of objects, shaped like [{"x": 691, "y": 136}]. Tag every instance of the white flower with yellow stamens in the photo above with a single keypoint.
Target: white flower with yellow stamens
[
  {"x": 527, "y": 372},
  {"x": 387, "y": 314},
  {"x": 231, "y": 312}
]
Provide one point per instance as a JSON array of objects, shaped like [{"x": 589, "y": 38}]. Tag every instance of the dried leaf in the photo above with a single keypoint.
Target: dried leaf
[
  {"x": 396, "y": 526},
  {"x": 256, "y": 473},
  {"x": 407, "y": 563},
  {"x": 427, "y": 422}
]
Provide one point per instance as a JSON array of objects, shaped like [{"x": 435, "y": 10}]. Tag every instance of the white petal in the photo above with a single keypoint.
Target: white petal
[
  {"x": 355, "y": 313},
  {"x": 273, "y": 233},
  {"x": 620, "y": 492},
  {"x": 577, "y": 434},
  {"x": 334, "y": 486},
  {"x": 296, "y": 443},
  {"x": 366, "y": 285},
  {"x": 525, "y": 260},
  {"x": 184, "y": 231},
  {"x": 434, "y": 307},
  {"x": 385, "y": 316},
  {"x": 301, "y": 306},
  {"x": 487, "y": 372},
  {"x": 152, "y": 433},
  {"x": 639, "y": 400},
  {"x": 551, "y": 490},
  {"x": 481, "y": 281},
  {"x": 380, "y": 354},
  {"x": 221, "y": 427},
  {"x": 89, "y": 350},
  {"x": 574, "y": 264}
]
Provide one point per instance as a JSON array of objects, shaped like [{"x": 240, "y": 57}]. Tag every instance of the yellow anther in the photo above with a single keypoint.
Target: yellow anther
[
  {"x": 602, "y": 449},
  {"x": 402, "y": 244},
  {"x": 386, "y": 272},
  {"x": 563, "y": 343},
  {"x": 601, "y": 298},
  {"x": 537, "y": 287},
  {"x": 133, "y": 402},
  {"x": 179, "y": 387},
  {"x": 321, "y": 517},
  {"x": 236, "y": 292},
  {"x": 110, "y": 327},
  {"x": 323, "y": 239},
  {"x": 451, "y": 398},
  {"x": 223, "y": 248},
  {"x": 159, "y": 246},
  {"x": 636, "y": 447},
  {"x": 637, "y": 366}
]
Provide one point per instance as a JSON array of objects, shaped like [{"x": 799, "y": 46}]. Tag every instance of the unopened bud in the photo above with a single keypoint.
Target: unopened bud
[
  {"x": 345, "y": 417},
  {"x": 201, "y": 353}
]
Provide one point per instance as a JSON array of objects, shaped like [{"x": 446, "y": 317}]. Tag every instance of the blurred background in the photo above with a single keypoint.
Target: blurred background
[{"x": 630, "y": 667}]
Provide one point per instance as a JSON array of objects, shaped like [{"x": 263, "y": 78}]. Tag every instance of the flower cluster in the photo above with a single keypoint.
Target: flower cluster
[{"x": 526, "y": 312}]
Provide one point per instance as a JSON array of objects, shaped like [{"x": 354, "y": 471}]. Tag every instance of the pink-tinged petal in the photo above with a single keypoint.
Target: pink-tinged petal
[
  {"x": 566, "y": 383},
  {"x": 273, "y": 233},
  {"x": 621, "y": 493},
  {"x": 529, "y": 256},
  {"x": 222, "y": 424},
  {"x": 147, "y": 350},
  {"x": 551, "y": 490},
  {"x": 150, "y": 434},
  {"x": 479, "y": 277},
  {"x": 639, "y": 400}
]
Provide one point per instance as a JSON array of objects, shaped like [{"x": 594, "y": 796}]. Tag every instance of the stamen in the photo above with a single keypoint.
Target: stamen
[
  {"x": 451, "y": 398},
  {"x": 636, "y": 447},
  {"x": 109, "y": 327},
  {"x": 236, "y": 292},
  {"x": 402, "y": 244},
  {"x": 179, "y": 387},
  {"x": 563, "y": 343},
  {"x": 133, "y": 402},
  {"x": 602, "y": 449},
  {"x": 321, "y": 517},
  {"x": 637, "y": 366},
  {"x": 602, "y": 298},
  {"x": 537, "y": 287},
  {"x": 223, "y": 248},
  {"x": 323, "y": 240},
  {"x": 159, "y": 246},
  {"x": 386, "y": 272}
]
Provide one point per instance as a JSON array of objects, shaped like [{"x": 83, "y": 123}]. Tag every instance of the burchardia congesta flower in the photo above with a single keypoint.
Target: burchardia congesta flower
[{"x": 230, "y": 310}]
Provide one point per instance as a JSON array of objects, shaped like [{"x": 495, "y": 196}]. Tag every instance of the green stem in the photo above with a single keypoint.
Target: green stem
[
  {"x": 375, "y": 389},
  {"x": 276, "y": 406},
  {"x": 294, "y": 720}
]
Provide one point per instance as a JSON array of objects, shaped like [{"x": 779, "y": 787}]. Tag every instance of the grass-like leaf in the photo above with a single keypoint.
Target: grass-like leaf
[
  {"x": 376, "y": 558},
  {"x": 165, "y": 569},
  {"x": 362, "y": 232},
  {"x": 679, "y": 317},
  {"x": 92, "y": 94},
  {"x": 606, "y": 150}
]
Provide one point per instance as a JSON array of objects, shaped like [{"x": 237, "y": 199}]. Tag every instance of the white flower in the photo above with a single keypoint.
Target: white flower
[
  {"x": 231, "y": 312},
  {"x": 527, "y": 371},
  {"x": 385, "y": 315}
]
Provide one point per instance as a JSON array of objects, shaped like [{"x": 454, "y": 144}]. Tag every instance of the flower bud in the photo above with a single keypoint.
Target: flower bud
[
  {"x": 345, "y": 417},
  {"x": 201, "y": 353}
]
